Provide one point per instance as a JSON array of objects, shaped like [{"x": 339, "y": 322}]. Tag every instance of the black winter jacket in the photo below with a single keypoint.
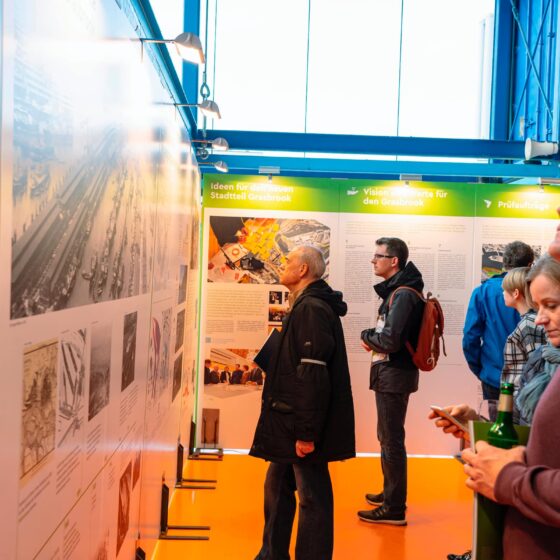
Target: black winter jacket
[
  {"x": 305, "y": 400},
  {"x": 402, "y": 324}
]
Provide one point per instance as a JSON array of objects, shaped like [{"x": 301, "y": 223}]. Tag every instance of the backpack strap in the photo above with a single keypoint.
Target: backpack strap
[{"x": 400, "y": 288}]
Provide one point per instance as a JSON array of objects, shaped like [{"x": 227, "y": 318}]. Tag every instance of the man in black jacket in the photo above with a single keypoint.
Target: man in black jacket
[
  {"x": 307, "y": 415},
  {"x": 393, "y": 375}
]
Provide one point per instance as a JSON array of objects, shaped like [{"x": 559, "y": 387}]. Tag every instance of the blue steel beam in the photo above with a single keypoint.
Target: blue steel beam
[
  {"x": 501, "y": 71},
  {"x": 380, "y": 145},
  {"x": 351, "y": 168},
  {"x": 191, "y": 23}
]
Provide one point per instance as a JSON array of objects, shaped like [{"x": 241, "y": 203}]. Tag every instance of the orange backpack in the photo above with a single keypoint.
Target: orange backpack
[{"x": 426, "y": 355}]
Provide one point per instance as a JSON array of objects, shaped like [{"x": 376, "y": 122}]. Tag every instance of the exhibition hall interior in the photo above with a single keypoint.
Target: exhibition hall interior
[{"x": 160, "y": 160}]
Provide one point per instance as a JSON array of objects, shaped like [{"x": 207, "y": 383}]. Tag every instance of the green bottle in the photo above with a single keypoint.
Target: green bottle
[{"x": 502, "y": 433}]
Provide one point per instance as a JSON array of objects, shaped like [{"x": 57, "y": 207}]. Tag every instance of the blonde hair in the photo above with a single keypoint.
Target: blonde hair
[{"x": 516, "y": 279}]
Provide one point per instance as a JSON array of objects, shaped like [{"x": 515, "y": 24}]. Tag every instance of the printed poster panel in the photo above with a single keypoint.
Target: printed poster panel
[{"x": 443, "y": 229}]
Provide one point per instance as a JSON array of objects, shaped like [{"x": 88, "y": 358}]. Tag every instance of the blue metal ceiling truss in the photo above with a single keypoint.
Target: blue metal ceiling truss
[{"x": 534, "y": 88}]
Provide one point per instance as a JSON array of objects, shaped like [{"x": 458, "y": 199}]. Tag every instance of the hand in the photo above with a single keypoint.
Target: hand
[
  {"x": 365, "y": 346},
  {"x": 462, "y": 412},
  {"x": 484, "y": 466},
  {"x": 303, "y": 448}
]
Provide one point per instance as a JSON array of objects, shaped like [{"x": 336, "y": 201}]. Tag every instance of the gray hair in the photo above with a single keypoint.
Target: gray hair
[{"x": 313, "y": 258}]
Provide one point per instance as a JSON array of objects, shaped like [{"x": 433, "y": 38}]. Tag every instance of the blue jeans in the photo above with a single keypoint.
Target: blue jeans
[
  {"x": 315, "y": 527},
  {"x": 391, "y": 414}
]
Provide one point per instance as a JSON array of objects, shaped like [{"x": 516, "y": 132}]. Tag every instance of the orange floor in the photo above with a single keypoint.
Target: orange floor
[{"x": 439, "y": 511}]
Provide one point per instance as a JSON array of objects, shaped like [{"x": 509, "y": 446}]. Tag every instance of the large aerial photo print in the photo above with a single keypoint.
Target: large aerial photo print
[{"x": 81, "y": 207}]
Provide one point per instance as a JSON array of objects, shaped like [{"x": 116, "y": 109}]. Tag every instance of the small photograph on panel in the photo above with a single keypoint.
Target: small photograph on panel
[
  {"x": 71, "y": 385},
  {"x": 100, "y": 368},
  {"x": 276, "y": 313},
  {"x": 177, "y": 375},
  {"x": 154, "y": 359},
  {"x": 136, "y": 468},
  {"x": 129, "y": 349},
  {"x": 183, "y": 270},
  {"x": 165, "y": 354},
  {"x": 275, "y": 297},
  {"x": 230, "y": 372},
  {"x": 252, "y": 250},
  {"x": 38, "y": 418},
  {"x": 180, "y": 333},
  {"x": 125, "y": 489},
  {"x": 493, "y": 258}
]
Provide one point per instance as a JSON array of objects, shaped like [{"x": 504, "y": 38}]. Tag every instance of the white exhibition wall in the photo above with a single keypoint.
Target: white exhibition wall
[{"x": 99, "y": 219}]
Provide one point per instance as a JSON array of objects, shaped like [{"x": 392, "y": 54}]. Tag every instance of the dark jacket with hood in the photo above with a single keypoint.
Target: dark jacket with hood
[
  {"x": 307, "y": 394},
  {"x": 402, "y": 324}
]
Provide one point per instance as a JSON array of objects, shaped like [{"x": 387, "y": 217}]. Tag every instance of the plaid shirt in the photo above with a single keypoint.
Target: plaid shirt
[{"x": 519, "y": 344}]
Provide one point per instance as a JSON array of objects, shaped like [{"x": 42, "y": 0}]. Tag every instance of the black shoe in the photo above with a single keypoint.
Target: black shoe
[
  {"x": 465, "y": 556},
  {"x": 375, "y": 499},
  {"x": 381, "y": 515}
]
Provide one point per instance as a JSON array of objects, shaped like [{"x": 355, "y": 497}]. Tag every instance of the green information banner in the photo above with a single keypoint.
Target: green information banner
[
  {"x": 403, "y": 197},
  {"x": 380, "y": 197},
  {"x": 278, "y": 193},
  {"x": 526, "y": 201}
]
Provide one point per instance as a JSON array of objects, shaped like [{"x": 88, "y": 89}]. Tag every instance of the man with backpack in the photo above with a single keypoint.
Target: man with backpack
[{"x": 393, "y": 374}]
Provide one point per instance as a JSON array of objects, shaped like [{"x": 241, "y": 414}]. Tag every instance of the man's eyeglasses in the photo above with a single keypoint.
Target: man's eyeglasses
[{"x": 377, "y": 256}]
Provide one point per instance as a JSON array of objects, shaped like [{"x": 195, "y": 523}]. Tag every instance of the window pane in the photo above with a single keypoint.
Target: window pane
[
  {"x": 260, "y": 64},
  {"x": 441, "y": 67},
  {"x": 353, "y": 67}
]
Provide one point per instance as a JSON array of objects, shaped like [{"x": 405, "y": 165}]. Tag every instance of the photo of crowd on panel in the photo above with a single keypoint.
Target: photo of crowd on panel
[
  {"x": 38, "y": 418},
  {"x": 277, "y": 308},
  {"x": 100, "y": 369},
  {"x": 493, "y": 256},
  {"x": 252, "y": 250},
  {"x": 232, "y": 372}
]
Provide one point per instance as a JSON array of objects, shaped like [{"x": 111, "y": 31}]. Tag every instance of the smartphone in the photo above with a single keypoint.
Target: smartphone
[{"x": 443, "y": 414}]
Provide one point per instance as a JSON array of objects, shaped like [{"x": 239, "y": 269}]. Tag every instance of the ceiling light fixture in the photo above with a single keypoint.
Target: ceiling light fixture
[
  {"x": 188, "y": 46},
  {"x": 221, "y": 166},
  {"x": 208, "y": 108},
  {"x": 218, "y": 144}
]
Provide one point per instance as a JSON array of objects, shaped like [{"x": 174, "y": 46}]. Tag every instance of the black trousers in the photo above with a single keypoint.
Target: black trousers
[
  {"x": 315, "y": 522},
  {"x": 391, "y": 414}
]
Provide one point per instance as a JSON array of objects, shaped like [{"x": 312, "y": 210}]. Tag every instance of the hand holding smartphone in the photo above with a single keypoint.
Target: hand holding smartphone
[{"x": 444, "y": 414}]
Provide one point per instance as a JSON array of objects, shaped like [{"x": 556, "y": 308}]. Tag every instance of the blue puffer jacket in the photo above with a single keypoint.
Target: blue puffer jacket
[{"x": 487, "y": 326}]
